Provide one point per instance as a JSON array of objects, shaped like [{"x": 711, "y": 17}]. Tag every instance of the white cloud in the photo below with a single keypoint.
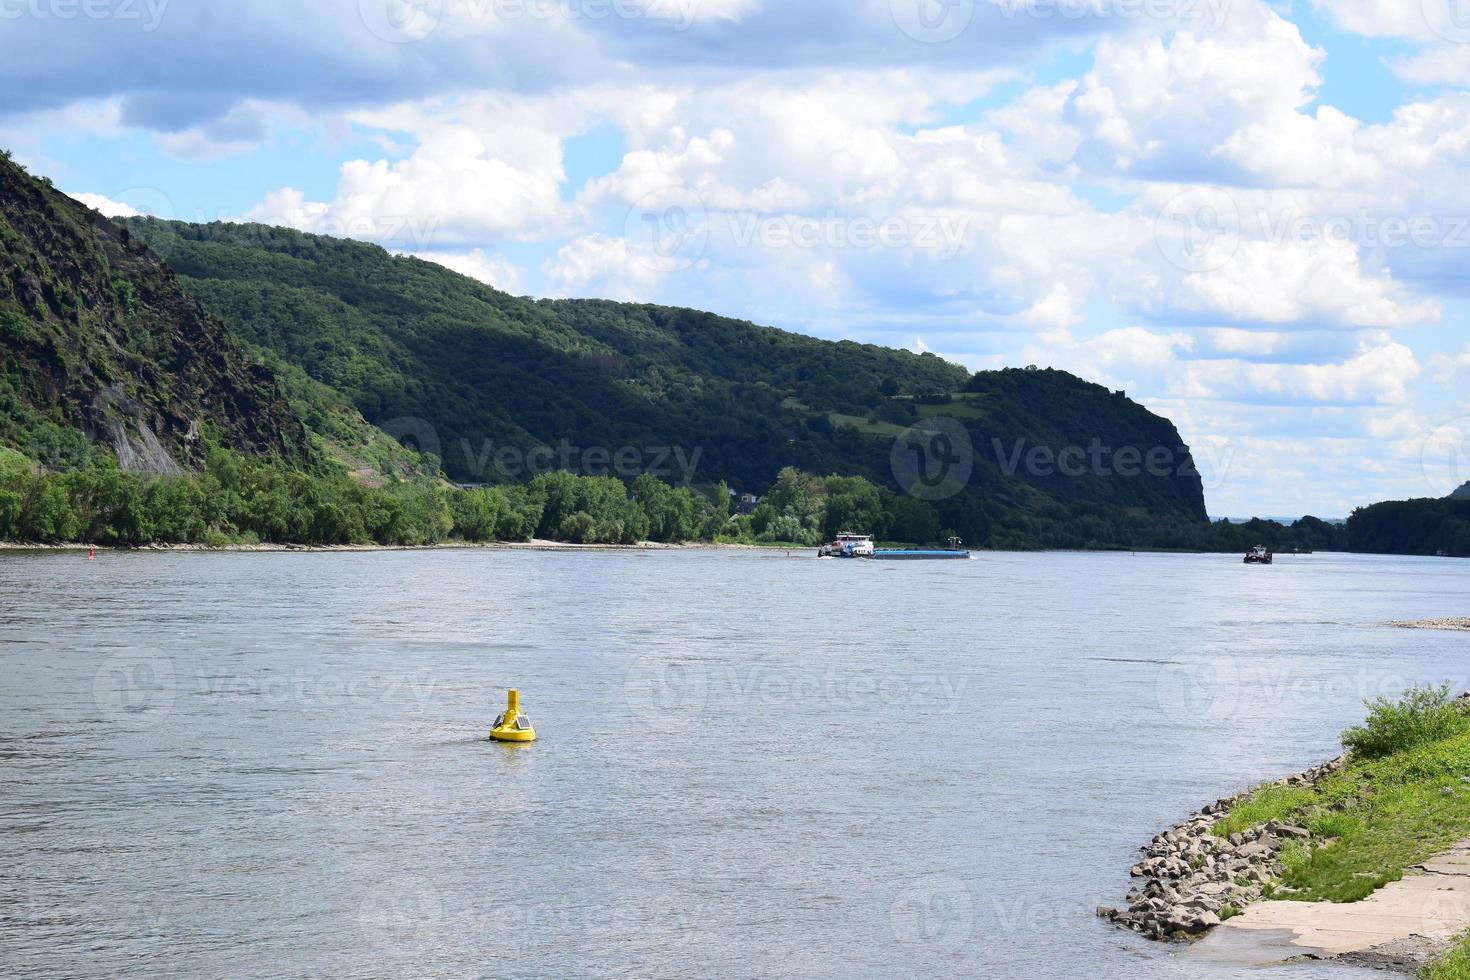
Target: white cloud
[
  {"x": 1379, "y": 18},
  {"x": 1451, "y": 369},
  {"x": 107, "y": 206},
  {"x": 492, "y": 270}
]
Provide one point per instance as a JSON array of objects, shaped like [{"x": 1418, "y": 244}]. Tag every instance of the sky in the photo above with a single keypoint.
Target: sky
[{"x": 1253, "y": 217}]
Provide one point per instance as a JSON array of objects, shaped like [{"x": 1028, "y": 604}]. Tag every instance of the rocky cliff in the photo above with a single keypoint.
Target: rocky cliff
[{"x": 99, "y": 345}]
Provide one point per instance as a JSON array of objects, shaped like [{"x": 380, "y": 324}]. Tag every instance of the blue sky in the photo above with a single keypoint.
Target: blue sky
[{"x": 1250, "y": 215}]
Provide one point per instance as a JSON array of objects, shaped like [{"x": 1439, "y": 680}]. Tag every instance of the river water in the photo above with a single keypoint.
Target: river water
[{"x": 749, "y": 764}]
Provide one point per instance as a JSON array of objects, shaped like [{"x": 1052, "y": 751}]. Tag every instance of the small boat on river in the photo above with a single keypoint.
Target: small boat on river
[
  {"x": 955, "y": 551},
  {"x": 1259, "y": 555},
  {"x": 861, "y": 546},
  {"x": 848, "y": 545}
]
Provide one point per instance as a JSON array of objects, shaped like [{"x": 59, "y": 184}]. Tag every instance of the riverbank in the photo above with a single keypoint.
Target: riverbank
[
  {"x": 534, "y": 545},
  {"x": 1363, "y": 857},
  {"x": 1459, "y": 625}
]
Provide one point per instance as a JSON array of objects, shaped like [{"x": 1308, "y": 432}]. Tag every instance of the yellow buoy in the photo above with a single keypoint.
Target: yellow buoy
[{"x": 513, "y": 726}]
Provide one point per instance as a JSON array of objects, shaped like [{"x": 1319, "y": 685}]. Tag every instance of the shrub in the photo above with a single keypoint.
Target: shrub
[{"x": 1423, "y": 715}]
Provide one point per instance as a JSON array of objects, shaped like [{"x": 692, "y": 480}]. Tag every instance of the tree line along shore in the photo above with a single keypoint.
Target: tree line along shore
[{"x": 239, "y": 500}]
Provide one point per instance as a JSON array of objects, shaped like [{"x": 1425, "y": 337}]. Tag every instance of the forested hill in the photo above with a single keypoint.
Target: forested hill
[
  {"x": 411, "y": 340},
  {"x": 1461, "y": 494},
  {"x": 101, "y": 345}
]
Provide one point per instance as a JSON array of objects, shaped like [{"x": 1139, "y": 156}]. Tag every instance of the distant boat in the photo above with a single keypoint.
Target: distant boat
[
  {"x": 848, "y": 545},
  {"x": 955, "y": 551},
  {"x": 861, "y": 546},
  {"x": 1259, "y": 555}
]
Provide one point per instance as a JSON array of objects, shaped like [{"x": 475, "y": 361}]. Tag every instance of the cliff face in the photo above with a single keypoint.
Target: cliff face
[{"x": 98, "y": 338}]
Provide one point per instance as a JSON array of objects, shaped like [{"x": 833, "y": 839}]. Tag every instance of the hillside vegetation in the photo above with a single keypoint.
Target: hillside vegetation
[{"x": 466, "y": 372}]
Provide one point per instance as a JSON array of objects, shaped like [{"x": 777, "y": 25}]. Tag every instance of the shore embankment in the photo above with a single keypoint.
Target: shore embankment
[
  {"x": 535, "y": 545},
  {"x": 1365, "y": 858}
]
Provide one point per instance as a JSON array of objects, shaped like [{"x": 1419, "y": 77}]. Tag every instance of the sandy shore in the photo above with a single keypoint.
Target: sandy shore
[{"x": 1462, "y": 625}]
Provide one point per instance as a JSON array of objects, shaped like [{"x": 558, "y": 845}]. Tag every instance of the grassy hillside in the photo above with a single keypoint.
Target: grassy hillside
[{"x": 410, "y": 340}]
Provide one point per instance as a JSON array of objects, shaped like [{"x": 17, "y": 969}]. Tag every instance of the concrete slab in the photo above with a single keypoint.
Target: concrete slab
[{"x": 1433, "y": 903}]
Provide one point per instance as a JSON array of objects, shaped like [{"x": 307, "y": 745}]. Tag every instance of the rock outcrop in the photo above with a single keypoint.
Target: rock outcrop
[{"x": 98, "y": 337}]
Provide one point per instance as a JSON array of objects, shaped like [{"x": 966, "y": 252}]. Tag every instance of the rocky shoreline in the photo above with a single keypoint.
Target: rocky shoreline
[
  {"x": 1459, "y": 625},
  {"x": 1191, "y": 881}
]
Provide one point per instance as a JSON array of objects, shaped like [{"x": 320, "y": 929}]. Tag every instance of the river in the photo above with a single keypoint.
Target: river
[{"x": 749, "y": 764}]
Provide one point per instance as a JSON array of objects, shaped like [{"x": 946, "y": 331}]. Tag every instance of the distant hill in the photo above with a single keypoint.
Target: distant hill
[
  {"x": 410, "y": 340},
  {"x": 1461, "y": 494},
  {"x": 100, "y": 344}
]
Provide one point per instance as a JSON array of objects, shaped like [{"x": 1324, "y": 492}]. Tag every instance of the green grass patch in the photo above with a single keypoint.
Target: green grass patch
[
  {"x": 1398, "y": 814},
  {"x": 1268, "y": 803},
  {"x": 1455, "y": 965},
  {"x": 1388, "y": 810},
  {"x": 866, "y": 426}
]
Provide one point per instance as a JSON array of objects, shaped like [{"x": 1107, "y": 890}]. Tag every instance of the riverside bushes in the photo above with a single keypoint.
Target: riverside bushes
[
  {"x": 1422, "y": 716},
  {"x": 236, "y": 499}
]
